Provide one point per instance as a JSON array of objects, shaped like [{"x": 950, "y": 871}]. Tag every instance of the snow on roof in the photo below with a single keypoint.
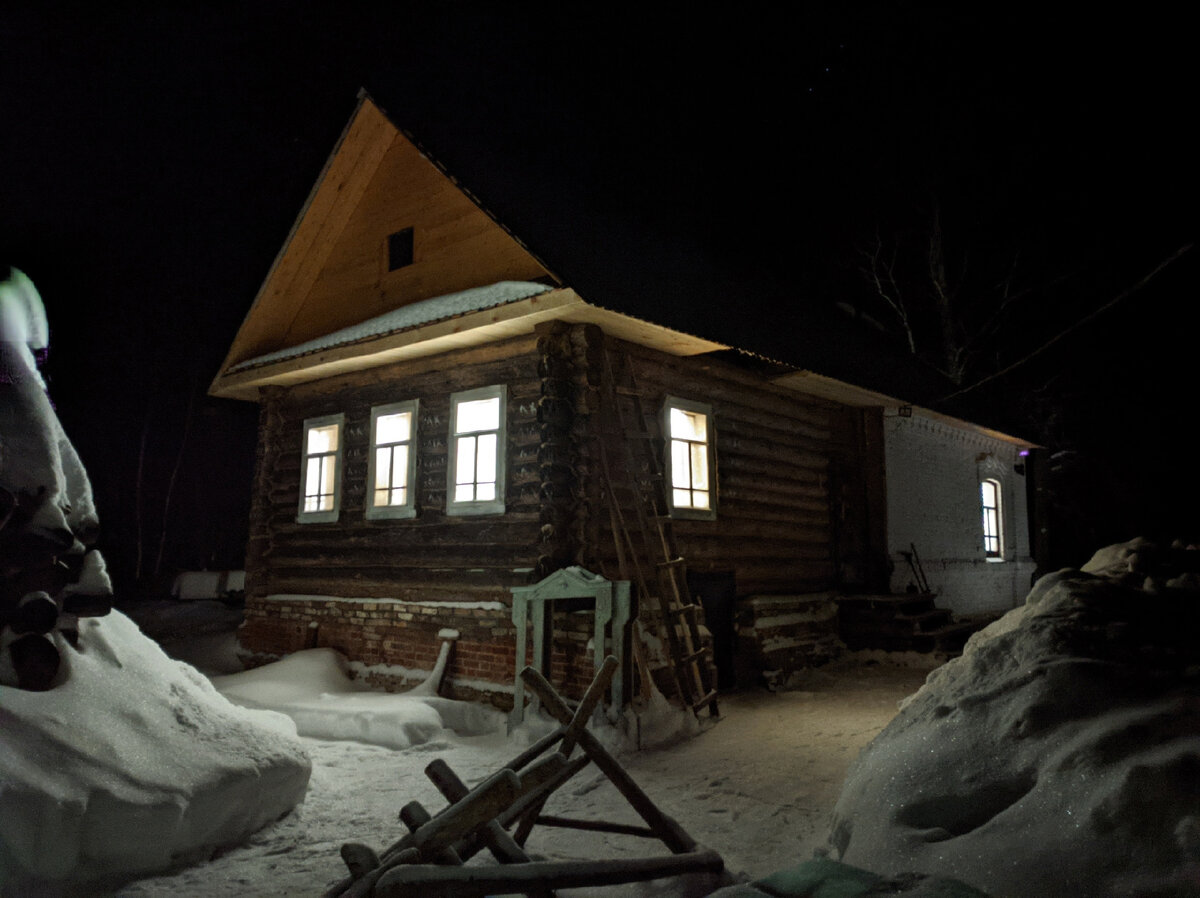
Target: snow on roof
[{"x": 437, "y": 308}]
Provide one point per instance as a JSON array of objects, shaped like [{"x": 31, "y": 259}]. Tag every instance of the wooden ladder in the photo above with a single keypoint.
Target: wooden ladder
[{"x": 643, "y": 530}]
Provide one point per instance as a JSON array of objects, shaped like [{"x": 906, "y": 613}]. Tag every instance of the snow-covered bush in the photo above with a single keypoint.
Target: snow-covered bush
[{"x": 48, "y": 576}]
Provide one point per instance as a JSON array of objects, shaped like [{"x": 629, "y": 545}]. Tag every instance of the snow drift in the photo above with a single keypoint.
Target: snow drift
[
  {"x": 132, "y": 764},
  {"x": 1060, "y": 754},
  {"x": 313, "y": 689}
]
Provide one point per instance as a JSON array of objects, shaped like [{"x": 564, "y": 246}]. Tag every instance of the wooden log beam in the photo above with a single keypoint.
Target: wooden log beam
[
  {"x": 481, "y": 804},
  {"x": 493, "y": 836},
  {"x": 499, "y": 842},
  {"x": 602, "y": 826},
  {"x": 360, "y": 859},
  {"x": 414, "y": 816},
  {"x": 479, "y": 882},
  {"x": 577, "y": 725},
  {"x": 672, "y": 834}
]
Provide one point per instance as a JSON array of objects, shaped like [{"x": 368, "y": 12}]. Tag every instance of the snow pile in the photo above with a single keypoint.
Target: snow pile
[
  {"x": 1060, "y": 755},
  {"x": 132, "y": 764},
  {"x": 313, "y": 689}
]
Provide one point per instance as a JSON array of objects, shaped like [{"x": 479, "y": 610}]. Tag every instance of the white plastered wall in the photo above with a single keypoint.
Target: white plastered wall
[{"x": 934, "y": 470}]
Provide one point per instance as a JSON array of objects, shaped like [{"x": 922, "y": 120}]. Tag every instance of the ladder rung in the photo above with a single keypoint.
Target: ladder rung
[
  {"x": 707, "y": 700},
  {"x": 626, "y": 391},
  {"x": 670, "y": 562},
  {"x": 681, "y": 610},
  {"x": 694, "y": 656}
]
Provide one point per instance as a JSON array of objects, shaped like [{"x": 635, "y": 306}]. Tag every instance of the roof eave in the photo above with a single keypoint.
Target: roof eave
[{"x": 461, "y": 331}]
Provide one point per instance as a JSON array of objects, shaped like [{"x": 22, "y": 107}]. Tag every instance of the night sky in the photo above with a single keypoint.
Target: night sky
[{"x": 154, "y": 158}]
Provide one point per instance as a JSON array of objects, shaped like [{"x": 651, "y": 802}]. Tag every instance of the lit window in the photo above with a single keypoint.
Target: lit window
[
  {"x": 392, "y": 465},
  {"x": 475, "y": 482},
  {"x": 689, "y": 437},
  {"x": 990, "y": 496},
  {"x": 321, "y": 478}
]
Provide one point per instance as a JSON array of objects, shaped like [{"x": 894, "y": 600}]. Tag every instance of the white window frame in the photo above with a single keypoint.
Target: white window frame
[
  {"x": 701, "y": 408},
  {"x": 996, "y": 521},
  {"x": 328, "y": 514},
  {"x": 486, "y": 506},
  {"x": 409, "y": 508}
]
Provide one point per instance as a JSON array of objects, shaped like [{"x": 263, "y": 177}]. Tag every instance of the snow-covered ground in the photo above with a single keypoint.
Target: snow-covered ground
[{"x": 757, "y": 786}]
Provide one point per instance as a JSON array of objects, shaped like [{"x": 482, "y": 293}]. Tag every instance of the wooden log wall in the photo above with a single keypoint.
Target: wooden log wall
[
  {"x": 444, "y": 572},
  {"x": 791, "y": 471},
  {"x": 561, "y": 538},
  {"x": 433, "y": 553}
]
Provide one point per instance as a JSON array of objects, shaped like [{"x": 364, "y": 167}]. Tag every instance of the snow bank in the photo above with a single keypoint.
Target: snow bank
[
  {"x": 1060, "y": 755},
  {"x": 132, "y": 764},
  {"x": 313, "y": 689}
]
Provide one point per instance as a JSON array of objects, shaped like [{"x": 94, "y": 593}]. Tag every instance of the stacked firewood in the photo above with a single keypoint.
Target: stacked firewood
[{"x": 35, "y": 571}]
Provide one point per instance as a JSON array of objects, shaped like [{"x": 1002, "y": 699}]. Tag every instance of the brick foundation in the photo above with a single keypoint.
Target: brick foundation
[{"x": 401, "y": 640}]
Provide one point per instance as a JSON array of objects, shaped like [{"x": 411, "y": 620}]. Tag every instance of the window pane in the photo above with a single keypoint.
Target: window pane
[
  {"x": 383, "y": 458},
  {"x": 681, "y": 498},
  {"x": 988, "y": 488},
  {"x": 464, "y": 466},
  {"x": 699, "y": 466},
  {"x": 485, "y": 492},
  {"x": 464, "y": 492},
  {"x": 322, "y": 439},
  {"x": 688, "y": 425},
  {"x": 393, "y": 428},
  {"x": 479, "y": 414},
  {"x": 680, "y": 476},
  {"x": 312, "y": 480},
  {"x": 485, "y": 471},
  {"x": 700, "y": 499},
  {"x": 328, "y": 469},
  {"x": 400, "y": 467}
]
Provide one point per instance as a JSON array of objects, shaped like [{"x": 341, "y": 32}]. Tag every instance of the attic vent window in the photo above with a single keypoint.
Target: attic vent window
[{"x": 400, "y": 249}]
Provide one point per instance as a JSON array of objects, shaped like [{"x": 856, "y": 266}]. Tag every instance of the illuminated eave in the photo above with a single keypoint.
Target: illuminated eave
[{"x": 476, "y": 328}]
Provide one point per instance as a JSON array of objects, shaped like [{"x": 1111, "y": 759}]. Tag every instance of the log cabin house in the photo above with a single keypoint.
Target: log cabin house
[{"x": 435, "y": 407}]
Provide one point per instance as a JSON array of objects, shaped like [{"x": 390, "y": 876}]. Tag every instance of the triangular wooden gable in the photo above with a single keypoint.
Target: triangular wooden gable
[{"x": 333, "y": 270}]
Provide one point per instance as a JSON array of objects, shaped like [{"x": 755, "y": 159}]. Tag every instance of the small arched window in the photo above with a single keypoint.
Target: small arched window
[{"x": 993, "y": 546}]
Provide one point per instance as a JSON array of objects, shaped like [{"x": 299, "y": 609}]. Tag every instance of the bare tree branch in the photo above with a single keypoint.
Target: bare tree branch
[
  {"x": 1120, "y": 297},
  {"x": 882, "y": 276}
]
